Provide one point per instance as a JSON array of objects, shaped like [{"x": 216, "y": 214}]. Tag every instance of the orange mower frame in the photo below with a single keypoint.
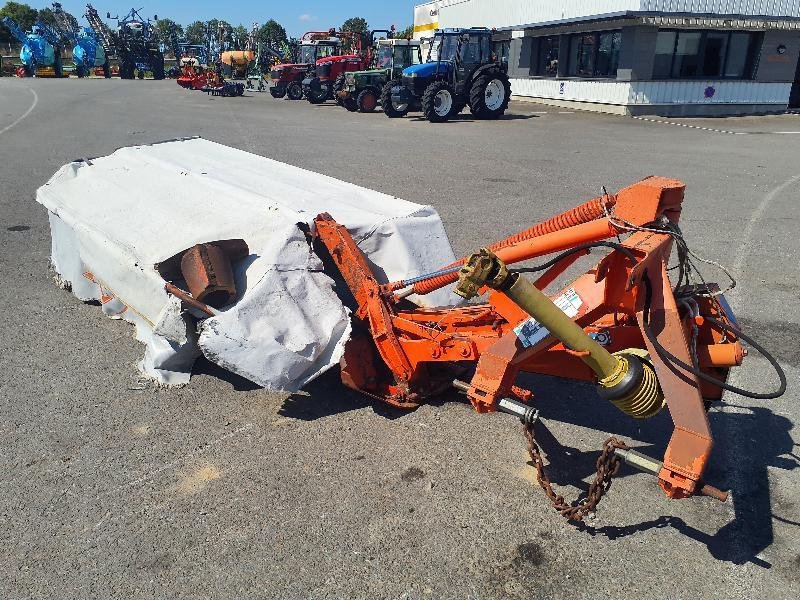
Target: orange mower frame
[{"x": 403, "y": 354}]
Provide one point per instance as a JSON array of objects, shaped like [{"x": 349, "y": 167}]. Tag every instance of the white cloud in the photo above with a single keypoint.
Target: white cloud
[{"x": 307, "y": 17}]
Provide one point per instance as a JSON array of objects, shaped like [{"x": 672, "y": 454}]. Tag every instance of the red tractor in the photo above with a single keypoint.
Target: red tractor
[
  {"x": 328, "y": 79},
  {"x": 287, "y": 80}
]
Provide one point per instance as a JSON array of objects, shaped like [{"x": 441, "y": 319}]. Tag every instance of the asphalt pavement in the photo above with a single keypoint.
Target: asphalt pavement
[{"x": 113, "y": 487}]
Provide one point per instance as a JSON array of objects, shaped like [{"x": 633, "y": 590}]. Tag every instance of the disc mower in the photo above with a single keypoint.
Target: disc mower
[
  {"x": 646, "y": 341},
  {"x": 287, "y": 79},
  {"x": 363, "y": 90}
]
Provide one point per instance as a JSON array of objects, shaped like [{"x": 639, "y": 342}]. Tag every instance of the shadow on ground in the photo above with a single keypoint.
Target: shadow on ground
[{"x": 747, "y": 441}]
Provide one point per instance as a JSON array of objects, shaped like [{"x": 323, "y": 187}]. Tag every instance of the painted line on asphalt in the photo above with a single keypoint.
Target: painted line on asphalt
[
  {"x": 755, "y": 217},
  {"x": 711, "y": 129},
  {"x": 27, "y": 112}
]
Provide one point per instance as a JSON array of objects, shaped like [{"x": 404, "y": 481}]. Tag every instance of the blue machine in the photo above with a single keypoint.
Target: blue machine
[
  {"x": 465, "y": 72},
  {"x": 87, "y": 51},
  {"x": 40, "y": 48}
]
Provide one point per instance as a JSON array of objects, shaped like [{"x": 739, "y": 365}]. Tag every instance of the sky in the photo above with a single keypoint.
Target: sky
[{"x": 296, "y": 16}]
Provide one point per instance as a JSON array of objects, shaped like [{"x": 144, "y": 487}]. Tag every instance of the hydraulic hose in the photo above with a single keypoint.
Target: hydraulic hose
[{"x": 588, "y": 211}]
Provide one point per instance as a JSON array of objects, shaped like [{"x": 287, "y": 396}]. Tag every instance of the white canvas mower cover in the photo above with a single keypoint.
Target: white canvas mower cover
[{"x": 113, "y": 219}]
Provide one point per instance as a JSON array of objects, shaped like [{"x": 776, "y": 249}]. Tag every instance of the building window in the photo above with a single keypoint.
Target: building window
[
  {"x": 705, "y": 54},
  {"x": 546, "y": 49},
  {"x": 594, "y": 54}
]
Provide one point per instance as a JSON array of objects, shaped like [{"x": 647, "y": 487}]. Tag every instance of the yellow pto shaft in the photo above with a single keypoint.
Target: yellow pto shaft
[{"x": 624, "y": 379}]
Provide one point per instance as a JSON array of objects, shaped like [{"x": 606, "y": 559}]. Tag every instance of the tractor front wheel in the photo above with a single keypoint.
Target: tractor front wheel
[
  {"x": 367, "y": 101},
  {"x": 317, "y": 94},
  {"x": 438, "y": 102},
  {"x": 277, "y": 92},
  {"x": 294, "y": 91},
  {"x": 489, "y": 95},
  {"x": 338, "y": 86},
  {"x": 392, "y": 109},
  {"x": 350, "y": 104}
]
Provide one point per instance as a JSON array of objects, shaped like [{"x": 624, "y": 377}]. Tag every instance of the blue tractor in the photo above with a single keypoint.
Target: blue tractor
[
  {"x": 40, "y": 48},
  {"x": 87, "y": 51},
  {"x": 461, "y": 70}
]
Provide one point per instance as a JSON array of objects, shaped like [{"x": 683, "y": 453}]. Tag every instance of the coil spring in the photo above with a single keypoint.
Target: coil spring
[{"x": 588, "y": 211}]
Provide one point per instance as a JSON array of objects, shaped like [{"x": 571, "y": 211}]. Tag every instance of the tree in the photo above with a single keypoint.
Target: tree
[
  {"x": 272, "y": 34},
  {"x": 196, "y": 33},
  {"x": 24, "y": 15},
  {"x": 406, "y": 33},
  {"x": 238, "y": 36},
  {"x": 165, "y": 29},
  {"x": 358, "y": 25},
  {"x": 46, "y": 16}
]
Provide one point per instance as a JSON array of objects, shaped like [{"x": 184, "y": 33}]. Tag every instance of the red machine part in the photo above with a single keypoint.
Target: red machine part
[{"x": 404, "y": 354}]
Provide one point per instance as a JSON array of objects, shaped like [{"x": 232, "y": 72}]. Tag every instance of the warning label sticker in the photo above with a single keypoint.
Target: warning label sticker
[{"x": 530, "y": 332}]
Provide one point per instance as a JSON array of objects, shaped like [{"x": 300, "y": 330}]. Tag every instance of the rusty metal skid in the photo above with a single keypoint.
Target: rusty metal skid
[{"x": 403, "y": 354}]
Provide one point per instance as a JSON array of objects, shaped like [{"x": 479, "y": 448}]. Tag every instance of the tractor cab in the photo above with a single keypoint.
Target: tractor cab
[
  {"x": 362, "y": 89},
  {"x": 396, "y": 55},
  {"x": 461, "y": 70},
  {"x": 287, "y": 79}
]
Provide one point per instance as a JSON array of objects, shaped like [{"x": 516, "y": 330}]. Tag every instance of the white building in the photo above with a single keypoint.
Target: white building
[{"x": 666, "y": 57}]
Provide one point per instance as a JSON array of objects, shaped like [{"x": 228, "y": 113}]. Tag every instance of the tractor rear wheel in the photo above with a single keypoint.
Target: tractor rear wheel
[
  {"x": 294, "y": 91},
  {"x": 392, "y": 109},
  {"x": 489, "y": 94},
  {"x": 157, "y": 65},
  {"x": 126, "y": 70},
  {"x": 438, "y": 102},
  {"x": 338, "y": 86},
  {"x": 367, "y": 101},
  {"x": 277, "y": 92}
]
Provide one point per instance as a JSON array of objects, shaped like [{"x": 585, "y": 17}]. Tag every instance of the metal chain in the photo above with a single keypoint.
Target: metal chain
[{"x": 608, "y": 465}]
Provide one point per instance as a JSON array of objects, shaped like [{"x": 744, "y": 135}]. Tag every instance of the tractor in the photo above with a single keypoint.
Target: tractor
[
  {"x": 362, "y": 90},
  {"x": 464, "y": 72},
  {"x": 328, "y": 79},
  {"x": 134, "y": 43},
  {"x": 287, "y": 79}
]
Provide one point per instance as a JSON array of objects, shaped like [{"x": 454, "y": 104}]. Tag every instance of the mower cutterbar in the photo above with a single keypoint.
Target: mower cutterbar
[{"x": 403, "y": 354}]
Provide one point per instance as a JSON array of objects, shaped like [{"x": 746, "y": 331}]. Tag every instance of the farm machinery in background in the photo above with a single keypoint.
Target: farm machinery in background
[
  {"x": 464, "y": 72},
  {"x": 327, "y": 79},
  {"x": 192, "y": 62},
  {"x": 363, "y": 90},
  {"x": 87, "y": 51},
  {"x": 41, "y": 49},
  {"x": 287, "y": 79},
  {"x": 134, "y": 43}
]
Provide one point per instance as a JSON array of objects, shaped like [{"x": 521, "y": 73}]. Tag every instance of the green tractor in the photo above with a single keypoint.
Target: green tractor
[{"x": 362, "y": 89}]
